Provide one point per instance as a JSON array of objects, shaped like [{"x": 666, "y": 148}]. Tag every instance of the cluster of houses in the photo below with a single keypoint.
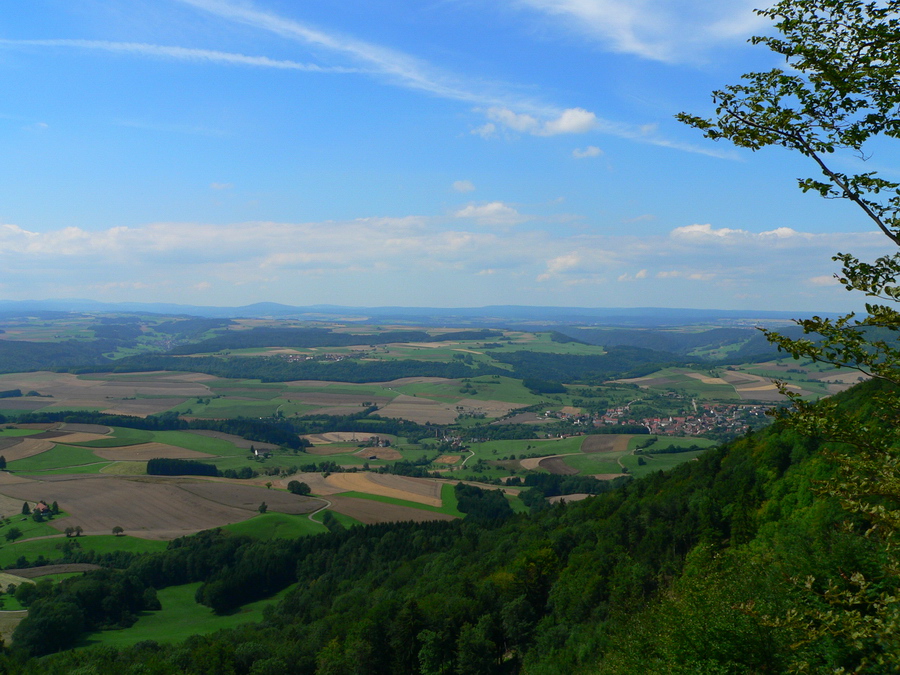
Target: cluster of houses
[
  {"x": 315, "y": 357},
  {"x": 376, "y": 442},
  {"x": 734, "y": 418}
]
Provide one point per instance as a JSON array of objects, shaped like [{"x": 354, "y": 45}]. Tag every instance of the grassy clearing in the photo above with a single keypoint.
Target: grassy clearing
[
  {"x": 17, "y": 433},
  {"x": 15, "y": 412},
  {"x": 50, "y": 548},
  {"x": 446, "y": 508},
  {"x": 27, "y": 526},
  {"x": 657, "y": 462},
  {"x": 179, "y": 617},
  {"x": 543, "y": 343},
  {"x": 669, "y": 441},
  {"x": 277, "y": 526},
  {"x": 121, "y": 436},
  {"x": 8, "y": 603},
  {"x": 527, "y": 447},
  {"x": 219, "y": 408},
  {"x": 345, "y": 520},
  {"x": 595, "y": 463},
  {"x": 448, "y": 499},
  {"x": 517, "y": 505},
  {"x": 207, "y": 444},
  {"x": 58, "y": 457},
  {"x": 125, "y": 468}
]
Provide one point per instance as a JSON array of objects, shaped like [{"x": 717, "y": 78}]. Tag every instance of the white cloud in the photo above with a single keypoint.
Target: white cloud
[
  {"x": 400, "y": 68},
  {"x": 177, "y": 53},
  {"x": 824, "y": 280},
  {"x": 660, "y": 30},
  {"x": 485, "y": 130},
  {"x": 493, "y": 213},
  {"x": 221, "y": 186},
  {"x": 571, "y": 121},
  {"x": 515, "y": 121},
  {"x": 685, "y": 274},
  {"x": 707, "y": 233},
  {"x": 642, "y": 274},
  {"x": 504, "y": 107},
  {"x": 407, "y": 260},
  {"x": 512, "y": 111},
  {"x": 560, "y": 264},
  {"x": 463, "y": 186},
  {"x": 589, "y": 151}
]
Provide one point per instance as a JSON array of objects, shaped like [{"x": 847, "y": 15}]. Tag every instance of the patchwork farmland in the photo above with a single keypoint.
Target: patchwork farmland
[{"x": 372, "y": 446}]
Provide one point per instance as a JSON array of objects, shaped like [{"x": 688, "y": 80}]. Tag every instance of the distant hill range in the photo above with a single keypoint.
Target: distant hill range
[{"x": 494, "y": 316}]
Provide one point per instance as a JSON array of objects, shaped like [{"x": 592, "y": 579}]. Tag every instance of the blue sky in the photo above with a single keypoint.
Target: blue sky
[{"x": 420, "y": 153}]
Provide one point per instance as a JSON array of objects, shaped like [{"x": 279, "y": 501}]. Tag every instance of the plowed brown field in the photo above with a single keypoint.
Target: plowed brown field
[
  {"x": 420, "y": 410},
  {"x": 27, "y": 448},
  {"x": 379, "y": 453},
  {"x": 144, "y": 507},
  {"x": 606, "y": 443},
  {"x": 249, "y": 497},
  {"x": 557, "y": 466}
]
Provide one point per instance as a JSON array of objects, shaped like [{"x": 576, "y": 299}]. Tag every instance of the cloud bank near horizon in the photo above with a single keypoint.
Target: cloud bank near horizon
[{"x": 325, "y": 262}]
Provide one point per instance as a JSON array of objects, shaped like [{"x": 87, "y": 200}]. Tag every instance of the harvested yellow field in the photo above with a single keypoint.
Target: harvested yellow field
[
  {"x": 490, "y": 408},
  {"x": 420, "y": 410},
  {"x": 421, "y": 490},
  {"x": 8, "y": 623},
  {"x": 9, "y": 506},
  {"x": 29, "y": 447},
  {"x": 388, "y": 454},
  {"x": 574, "y": 497},
  {"x": 6, "y": 579},
  {"x": 448, "y": 459},
  {"x": 337, "y": 437},
  {"x": 126, "y": 469}
]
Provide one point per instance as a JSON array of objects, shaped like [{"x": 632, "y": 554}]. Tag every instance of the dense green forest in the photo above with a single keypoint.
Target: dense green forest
[
  {"x": 731, "y": 563},
  {"x": 617, "y": 362}
]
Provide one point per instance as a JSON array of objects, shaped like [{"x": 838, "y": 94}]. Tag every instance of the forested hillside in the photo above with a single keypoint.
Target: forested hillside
[{"x": 725, "y": 564}]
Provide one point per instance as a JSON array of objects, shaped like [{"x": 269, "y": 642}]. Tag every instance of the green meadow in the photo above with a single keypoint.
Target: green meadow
[{"x": 179, "y": 617}]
